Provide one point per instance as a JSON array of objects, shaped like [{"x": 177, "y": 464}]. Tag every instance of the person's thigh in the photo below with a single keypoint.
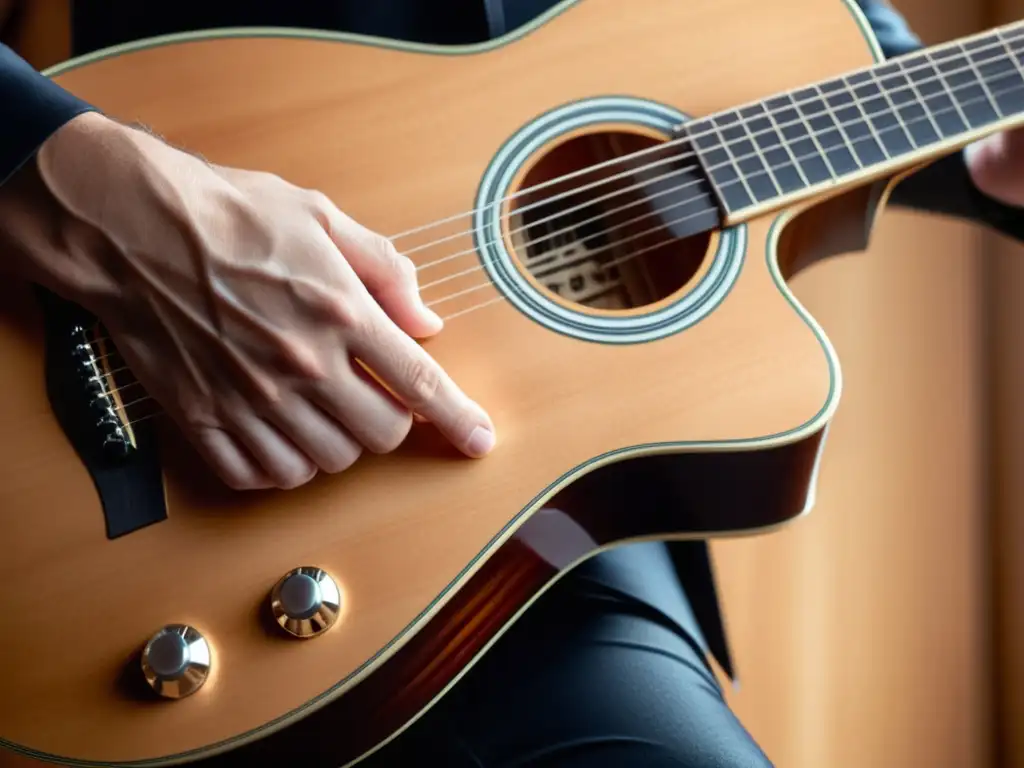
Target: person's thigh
[{"x": 606, "y": 669}]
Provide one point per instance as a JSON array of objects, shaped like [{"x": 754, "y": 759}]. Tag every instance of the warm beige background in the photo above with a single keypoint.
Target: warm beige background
[
  {"x": 865, "y": 634},
  {"x": 1006, "y": 351}
]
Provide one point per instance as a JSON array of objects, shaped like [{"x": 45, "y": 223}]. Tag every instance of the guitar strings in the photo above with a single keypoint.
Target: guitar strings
[
  {"x": 607, "y": 231},
  {"x": 495, "y": 300},
  {"x": 1002, "y": 45},
  {"x": 702, "y": 195},
  {"x": 613, "y": 244},
  {"x": 812, "y": 134},
  {"x": 607, "y": 247},
  {"x": 769, "y": 168},
  {"x": 593, "y": 219},
  {"x": 683, "y": 202},
  {"x": 561, "y": 213}
]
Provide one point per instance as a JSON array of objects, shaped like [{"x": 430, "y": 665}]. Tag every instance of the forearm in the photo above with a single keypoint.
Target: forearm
[{"x": 32, "y": 107}]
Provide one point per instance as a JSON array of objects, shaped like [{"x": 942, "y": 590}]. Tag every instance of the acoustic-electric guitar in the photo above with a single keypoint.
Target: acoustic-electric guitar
[{"x": 606, "y": 207}]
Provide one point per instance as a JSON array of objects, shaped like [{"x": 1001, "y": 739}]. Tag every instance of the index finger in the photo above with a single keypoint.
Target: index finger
[{"x": 424, "y": 386}]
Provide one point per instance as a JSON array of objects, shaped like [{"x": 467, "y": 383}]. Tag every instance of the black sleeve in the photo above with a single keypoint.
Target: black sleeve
[
  {"x": 32, "y": 107},
  {"x": 945, "y": 186}
]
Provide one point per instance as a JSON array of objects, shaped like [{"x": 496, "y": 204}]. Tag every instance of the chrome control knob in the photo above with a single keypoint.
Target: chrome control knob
[
  {"x": 176, "y": 661},
  {"x": 306, "y": 602}
]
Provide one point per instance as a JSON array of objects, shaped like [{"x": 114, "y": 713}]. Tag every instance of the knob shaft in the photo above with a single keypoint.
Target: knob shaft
[
  {"x": 306, "y": 602},
  {"x": 176, "y": 661}
]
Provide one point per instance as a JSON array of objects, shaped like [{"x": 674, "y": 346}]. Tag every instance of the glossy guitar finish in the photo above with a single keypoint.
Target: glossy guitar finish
[{"x": 708, "y": 427}]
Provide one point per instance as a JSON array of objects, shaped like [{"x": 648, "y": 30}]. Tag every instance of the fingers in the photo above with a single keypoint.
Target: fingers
[
  {"x": 389, "y": 276},
  {"x": 424, "y": 387},
  {"x": 418, "y": 381},
  {"x": 282, "y": 451},
  {"x": 220, "y": 451},
  {"x": 996, "y": 165},
  {"x": 368, "y": 412},
  {"x": 317, "y": 434}
]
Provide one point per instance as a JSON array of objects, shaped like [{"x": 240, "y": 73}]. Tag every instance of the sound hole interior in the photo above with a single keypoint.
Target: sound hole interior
[{"x": 614, "y": 238}]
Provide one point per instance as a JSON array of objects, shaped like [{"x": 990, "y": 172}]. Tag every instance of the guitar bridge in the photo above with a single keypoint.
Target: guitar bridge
[
  {"x": 85, "y": 379},
  {"x": 93, "y": 361}
]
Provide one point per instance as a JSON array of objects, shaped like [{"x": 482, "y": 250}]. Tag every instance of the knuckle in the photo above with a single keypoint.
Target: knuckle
[
  {"x": 346, "y": 311},
  {"x": 395, "y": 266},
  {"x": 423, "y": 382},
  {"x": 321, "y": 208},
  {"x": 318, "y": 201}
]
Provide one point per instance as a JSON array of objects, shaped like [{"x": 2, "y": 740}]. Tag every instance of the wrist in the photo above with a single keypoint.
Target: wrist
[
  {"x": 81, "y": 161},
  {"x": 43, "y": 231}
]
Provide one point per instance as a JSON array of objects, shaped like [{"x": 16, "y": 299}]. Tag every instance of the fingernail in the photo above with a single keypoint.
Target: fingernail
[
  {"x": 435, "y": 319},
  {"x": 431, "y": 315},
  {"x": 480, "y": 442}
]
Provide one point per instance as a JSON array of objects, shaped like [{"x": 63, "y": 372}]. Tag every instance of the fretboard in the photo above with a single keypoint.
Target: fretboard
[{"x": 865, "y": 124}]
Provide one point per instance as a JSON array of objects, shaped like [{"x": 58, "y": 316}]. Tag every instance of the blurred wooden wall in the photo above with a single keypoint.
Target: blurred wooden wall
[
  {"x": 865, "y": 634},
  {"x": 1006, "y": 349}
]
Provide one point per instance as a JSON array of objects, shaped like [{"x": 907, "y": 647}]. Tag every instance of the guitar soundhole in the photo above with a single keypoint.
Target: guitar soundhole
[{"x": 602, "y": 228}]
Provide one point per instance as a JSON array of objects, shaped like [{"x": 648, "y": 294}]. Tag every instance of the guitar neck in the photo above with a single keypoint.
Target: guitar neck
[{"x": 864, "y": 125}]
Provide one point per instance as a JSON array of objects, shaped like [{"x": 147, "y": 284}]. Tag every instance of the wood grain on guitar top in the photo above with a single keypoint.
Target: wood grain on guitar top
[{"x": 434, "y": 554}]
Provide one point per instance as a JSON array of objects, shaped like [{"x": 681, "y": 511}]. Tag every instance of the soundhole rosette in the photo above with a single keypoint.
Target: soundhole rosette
[{"x": 578, "y": 311}]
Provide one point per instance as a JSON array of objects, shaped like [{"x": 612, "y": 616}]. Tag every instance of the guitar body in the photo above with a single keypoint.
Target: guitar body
[{"x": 695, "y": 410}]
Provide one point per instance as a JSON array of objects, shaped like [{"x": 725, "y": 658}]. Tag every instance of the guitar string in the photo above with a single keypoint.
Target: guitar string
[
  {"x": 613, "y": 244},
  {"x": 990, "y": 97},
  {"x": 561, "y": 213},
  {"x": 694, "y": 198},
  {"x": 812, "y": 134},
  {"x": 608, "y": 246},
  {"x": 686, "y": 201},
  {"x": 617, "y": 262},
  {"x": 681, "y": 203},
  {"x": 970, "y": 59},
  {"x": 769, "y": 168},
  {"x": 578, "y": 225}
]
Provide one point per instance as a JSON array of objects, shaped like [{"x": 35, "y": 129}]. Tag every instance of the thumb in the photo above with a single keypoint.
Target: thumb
[
  {"x": 389, "y": 276},
  {"x": 996, "y": 166}
]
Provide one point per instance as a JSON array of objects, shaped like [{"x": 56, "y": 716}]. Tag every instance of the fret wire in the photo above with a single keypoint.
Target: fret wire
[
  {"x": 810, "y": 133},
  {"x": 955, "y": 59},
  {"x": 1020, "y": 87},
  {"x": 772, "y": 171},
  {"x": 917, "y": 92},
  {"x": 895, "y": 112},
  {"x": 981, "y": 80},
  {"x": 775, "y": 126},
  {"x": 941, "y": 78},
  {"x": 784, "y": 142},
  {"x": 842, "y": 126},
  {"x": 725, "y": 144},
  {"x": 992, "y": 53},
  {"x": 953, "y": 102},
  {"x": 938, "y": 78},
  {"x": 867, "y": 118},
  {"x": 1009, "y": 49}
]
